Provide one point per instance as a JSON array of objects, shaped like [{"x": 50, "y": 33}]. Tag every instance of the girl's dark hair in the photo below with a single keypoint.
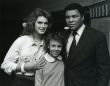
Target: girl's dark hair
[
  {"x": 74, "y": 6},
  {"x": 31, "y": 19},
  {"x": 57, "y": 36}
]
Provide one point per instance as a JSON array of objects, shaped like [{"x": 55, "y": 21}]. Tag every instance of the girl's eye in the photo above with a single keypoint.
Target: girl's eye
[
  {"x": 59, "y": 46},
  {"x": 46, "y": 23}
]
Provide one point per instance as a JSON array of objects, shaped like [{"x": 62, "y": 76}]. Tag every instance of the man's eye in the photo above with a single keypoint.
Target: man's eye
[
  {"x": 53, "y": 45},
  {"x": 75, "y": 16}
]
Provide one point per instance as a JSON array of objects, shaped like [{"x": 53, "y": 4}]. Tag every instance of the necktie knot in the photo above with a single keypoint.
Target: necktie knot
[
  {"x": 74, "y": 33},
  {"x": 74, "y": 40}
]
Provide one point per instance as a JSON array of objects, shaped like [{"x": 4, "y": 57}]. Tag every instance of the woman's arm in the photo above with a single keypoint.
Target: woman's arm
[{"x": 10, "y": 61}]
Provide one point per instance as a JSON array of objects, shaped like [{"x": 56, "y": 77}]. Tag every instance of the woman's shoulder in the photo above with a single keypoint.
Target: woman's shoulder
[{"x": 23, "y": 38}]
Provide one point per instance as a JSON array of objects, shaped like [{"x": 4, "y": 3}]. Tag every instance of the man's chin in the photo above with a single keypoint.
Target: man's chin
[{"x": 73, "y": 28}]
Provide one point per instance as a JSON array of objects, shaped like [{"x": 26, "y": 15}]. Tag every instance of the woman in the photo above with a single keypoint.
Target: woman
[{"x": 22, "y": 57}]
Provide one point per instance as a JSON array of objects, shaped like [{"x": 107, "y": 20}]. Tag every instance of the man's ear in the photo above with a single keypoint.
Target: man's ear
[{"x": 83, "y": 18}]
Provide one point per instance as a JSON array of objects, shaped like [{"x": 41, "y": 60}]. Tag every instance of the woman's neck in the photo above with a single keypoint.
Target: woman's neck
[{"x": 37, "y": 37}]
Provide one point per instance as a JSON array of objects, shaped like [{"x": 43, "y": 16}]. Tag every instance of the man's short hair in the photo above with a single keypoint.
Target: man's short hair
[{"x": 74, "y": 6}]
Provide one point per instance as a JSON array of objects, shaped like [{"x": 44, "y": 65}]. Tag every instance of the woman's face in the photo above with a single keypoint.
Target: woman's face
[
  {"x": 55, "y": 48},
  {"x": 41, "y": 25}
]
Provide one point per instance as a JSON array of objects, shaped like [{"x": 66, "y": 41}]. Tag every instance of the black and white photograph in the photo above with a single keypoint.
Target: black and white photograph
[{"x": 55, "y": 43}]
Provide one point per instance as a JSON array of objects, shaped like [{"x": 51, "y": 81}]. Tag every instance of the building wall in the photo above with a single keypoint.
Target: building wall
[
  {"x": 102, "y": 24},
  {"x": 60, "y": 4}
]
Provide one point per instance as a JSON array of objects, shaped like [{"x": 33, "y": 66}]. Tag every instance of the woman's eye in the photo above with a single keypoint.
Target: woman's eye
[{"x": 39, "y": 22}]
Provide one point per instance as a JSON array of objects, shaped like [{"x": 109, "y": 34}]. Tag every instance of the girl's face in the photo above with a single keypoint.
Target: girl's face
[
  {"x": 55, "y": 48},
  {"x": 41, "y": 25}
]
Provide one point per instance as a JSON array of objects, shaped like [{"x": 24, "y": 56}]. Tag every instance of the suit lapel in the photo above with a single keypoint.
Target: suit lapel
[
  {"x": 83, "y": 39},
  {"x": 75, "y": 53}
]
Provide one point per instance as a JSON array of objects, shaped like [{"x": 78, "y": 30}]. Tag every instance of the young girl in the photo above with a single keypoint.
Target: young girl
[{"x": 52, "y": 73}]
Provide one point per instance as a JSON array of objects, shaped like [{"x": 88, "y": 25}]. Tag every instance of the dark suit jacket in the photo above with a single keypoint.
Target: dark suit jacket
[{"x": 87, "y": 64}]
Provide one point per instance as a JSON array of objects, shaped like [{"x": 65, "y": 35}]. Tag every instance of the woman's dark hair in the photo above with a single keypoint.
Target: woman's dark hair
[
  {"x": 57, "y": 36},
  {"x": 74, "y": 6},
  {"x": 30, "y": 26}
]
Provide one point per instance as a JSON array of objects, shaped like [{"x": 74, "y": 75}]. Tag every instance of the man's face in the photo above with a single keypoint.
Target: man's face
[{"x": 73, "y": 19}]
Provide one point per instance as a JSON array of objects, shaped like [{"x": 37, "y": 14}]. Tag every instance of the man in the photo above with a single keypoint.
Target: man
[{"x": 87, "y": 61}]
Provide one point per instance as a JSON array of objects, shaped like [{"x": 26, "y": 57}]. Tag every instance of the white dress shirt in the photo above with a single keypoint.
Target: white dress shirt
[
  {"x": 77, "y": 37},
  {"x": 23, "y": 49}
]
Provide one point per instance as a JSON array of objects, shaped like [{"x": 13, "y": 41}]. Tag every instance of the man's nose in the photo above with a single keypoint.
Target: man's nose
[{"x": 70, "y": 19}]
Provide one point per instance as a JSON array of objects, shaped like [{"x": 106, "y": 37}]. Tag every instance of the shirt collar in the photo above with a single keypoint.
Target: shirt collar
[
  {"x": 35, "y": 43},
  {"x": 51, "y": 59},
  {"x": 81, "y": 29}
]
